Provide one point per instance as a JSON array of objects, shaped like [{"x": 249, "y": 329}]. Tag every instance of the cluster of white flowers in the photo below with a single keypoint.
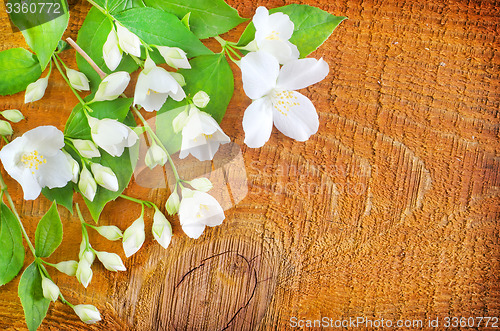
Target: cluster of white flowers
[{"x": 272, "y": 88}]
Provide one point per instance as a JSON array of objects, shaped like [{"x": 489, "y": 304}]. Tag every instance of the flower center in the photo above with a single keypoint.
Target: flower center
[
  {"x": 150, "y": 90},
  {"x": 33, "y": 160},
  {"x": 201, "y": 211},
  {"x": 284, "y": 100},
  {"x": 273, "y": 36}
]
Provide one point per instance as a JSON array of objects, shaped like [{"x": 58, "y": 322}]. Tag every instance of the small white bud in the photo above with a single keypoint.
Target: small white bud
[
  {"x": 86, "y": 148},
  {"x": 180, "y": 121},
  {"x": 129, "y": 42},
  {"x": 201, "y": 99},
  {"x": 36, "y": 90},
  {"x": 110, "y": 232},
  {"x": 179, "y": 78},
  {"x": 201, "y": 184},
  {"x": 104, "y": 176},
  {"x": 111, "y": 261},
  {"x": 12, "y": 115},
  {"x": 112, "y": 86},
  {"x": 174, "y": 57},
  {"x": 84, "y": 272},
  {"x": 134, "y": 237},
  {"x": 87, "y": 313},
  {"x": 86, "y": 252},
  {"x": 155, "y": 156},
  {"x": 67, "y": 267},
  {"x": 111, "y": 51},
  {"x": 87, "y": 184},
  {"x": 5, "y": 128},
  {"x": 78, "y": 80},
  {"x": 75, "y": 167},
  {"x": 162, "y": 230},
  {"x": 173, "y": 203},
  {"x": 50, "y": 290}
]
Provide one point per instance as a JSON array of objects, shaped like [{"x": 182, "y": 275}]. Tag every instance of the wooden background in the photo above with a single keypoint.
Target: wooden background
[{"x": 390, "y": 211}]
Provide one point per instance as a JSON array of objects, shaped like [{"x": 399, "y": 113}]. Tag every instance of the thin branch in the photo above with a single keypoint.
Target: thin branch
[{"x": 87, "y": 58}]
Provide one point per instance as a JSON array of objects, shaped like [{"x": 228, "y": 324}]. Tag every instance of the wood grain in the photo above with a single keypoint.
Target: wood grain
[{"x": 390, "y": 211}]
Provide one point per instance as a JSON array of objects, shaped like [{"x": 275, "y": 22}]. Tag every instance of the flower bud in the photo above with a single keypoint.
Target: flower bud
[
  {"x": 110, "y": 232},
  {"x": 50, "y": 290},
  {"x": 5, "y": 128},
  {"x": 87, "y": 313},
  {"x": 174, "y": 57},
  {"x": 129, "y": 42},
  {"x": 162, "y": 230},
  {"x": 78, "y": 80},
  {"x": 84, "y": 272},
  {"x": 112, "y": 86},
  {"x": 36, "y": 90},
  {"x": 75, "y": 167},
  {"x": 155, "y": 156},
  {"x": 180, "y": 121},
  {"x": 111, "y": 51},
  {"x": 86, "y": 148},
  {"x": 201, "y": 184},
  {"x": 134, "y": 237},
  {"x": 201, "y": 99},
  {"x": 87, "y": 184},
  {"x": 86, "y": 252},
  {"x": 179, "y": 78},
  {"x": 111, "y": 261},
  {"x": 104, "y": 176},
  {"x": 12, "y": 115},
  {"x": 67, "y": 267},
  {"x": 173, "y": 202}
]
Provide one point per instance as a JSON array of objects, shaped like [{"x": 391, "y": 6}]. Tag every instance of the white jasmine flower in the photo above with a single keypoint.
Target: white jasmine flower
[
  {"x": 36, "y": 90},
  {"x": 111, "y": 51},
  {"x": 84, "y": 272},
  {"x": 50, "y": 290},
  {"x": 111, "y": 135},
  {"x": 78, "y": 80},
  {"x": 129, "y": 42},
  {"x": 75, "y": 167},
  {"x": 5, "y": 128},
  {"x": 162, "y": 230},
  {"x": 13, "y": 115},
  {"x": 86, "y": 148},
  {"x": 201, "y": 99},
  {"x": 35, "y": 160},
  {"x": 174, "y": 57},
  {"x": 87, "y": 313},
  {"x": 198, "y": 209},
  {"x": 110, "y": 232},
  {"x": 201, "y": 184},
  {"x": 87, "y": 184},
  {"x": 104, "y": 176},
  {"x": 272, "y": 33},
  {"x": 173, "y": 202},
  {"x": 155, "y": 156},
  {"x": 154, "y": 86},
  {"x": 67, "y": 267},
  {"x": 134, "y": 237},
  {"x": 274, "y": 97},
  {"x": 201, "y": 135},
  {"x": 112, "y": 86},
  {"x": 111, "y": 261}
]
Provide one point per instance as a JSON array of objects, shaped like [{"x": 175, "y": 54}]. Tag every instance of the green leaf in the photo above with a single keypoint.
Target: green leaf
[
  {"x": 212, "y": 74},
  {"x": 157, "y": 27},
  {"x": 61, "y": 195},
  {"x": 18, "y": 68},
  {"x": 30, "y": 292},
  {"x": 312, "y": 28},
  {"x": 49, "y": 233},
  {"x": 11, "y": 241},
  {"x": 91, "y": 38},
  {"x": 43, "y": 38},
  {"x": 209, "y": 18}
]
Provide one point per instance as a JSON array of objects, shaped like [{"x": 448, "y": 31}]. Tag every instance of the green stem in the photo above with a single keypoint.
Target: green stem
[
  {"x": 102, "y": 10},
  {"x": 55, "y": 58},
  {"x": 139, "y": 201},
  {"x": 3, "y": 187},
  {"x": 85, "y": 234}
]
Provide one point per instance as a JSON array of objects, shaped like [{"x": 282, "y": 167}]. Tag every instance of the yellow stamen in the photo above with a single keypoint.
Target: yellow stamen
[{"x": 33, "y": 160}]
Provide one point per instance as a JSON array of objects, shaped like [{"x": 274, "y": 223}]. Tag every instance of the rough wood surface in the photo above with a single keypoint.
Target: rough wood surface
[{"x": 390, "y": 211}]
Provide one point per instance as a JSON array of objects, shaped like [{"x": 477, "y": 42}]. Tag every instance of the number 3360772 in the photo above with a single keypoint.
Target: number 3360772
[{"x": 33, "y": 8}]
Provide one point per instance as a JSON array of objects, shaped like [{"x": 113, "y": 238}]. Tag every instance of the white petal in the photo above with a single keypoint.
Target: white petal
[
  {"x": 275, "y": 26},
  {"x": 295, "y": 75},
  {"x": 296, "y": 121},
  {"x": 31, "y": 188},
  {"x": 260, "y": 18},
  {"x": 57, "y": 172},
  {"x": 258, "y": 122},
  {"x": 259, "y": 72},
  {"x": 111, "y": 52},
  {"x": 282, "y": 50},
  {"x": 193, "y": 230},
  {"x": 128, "y": 41}
]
